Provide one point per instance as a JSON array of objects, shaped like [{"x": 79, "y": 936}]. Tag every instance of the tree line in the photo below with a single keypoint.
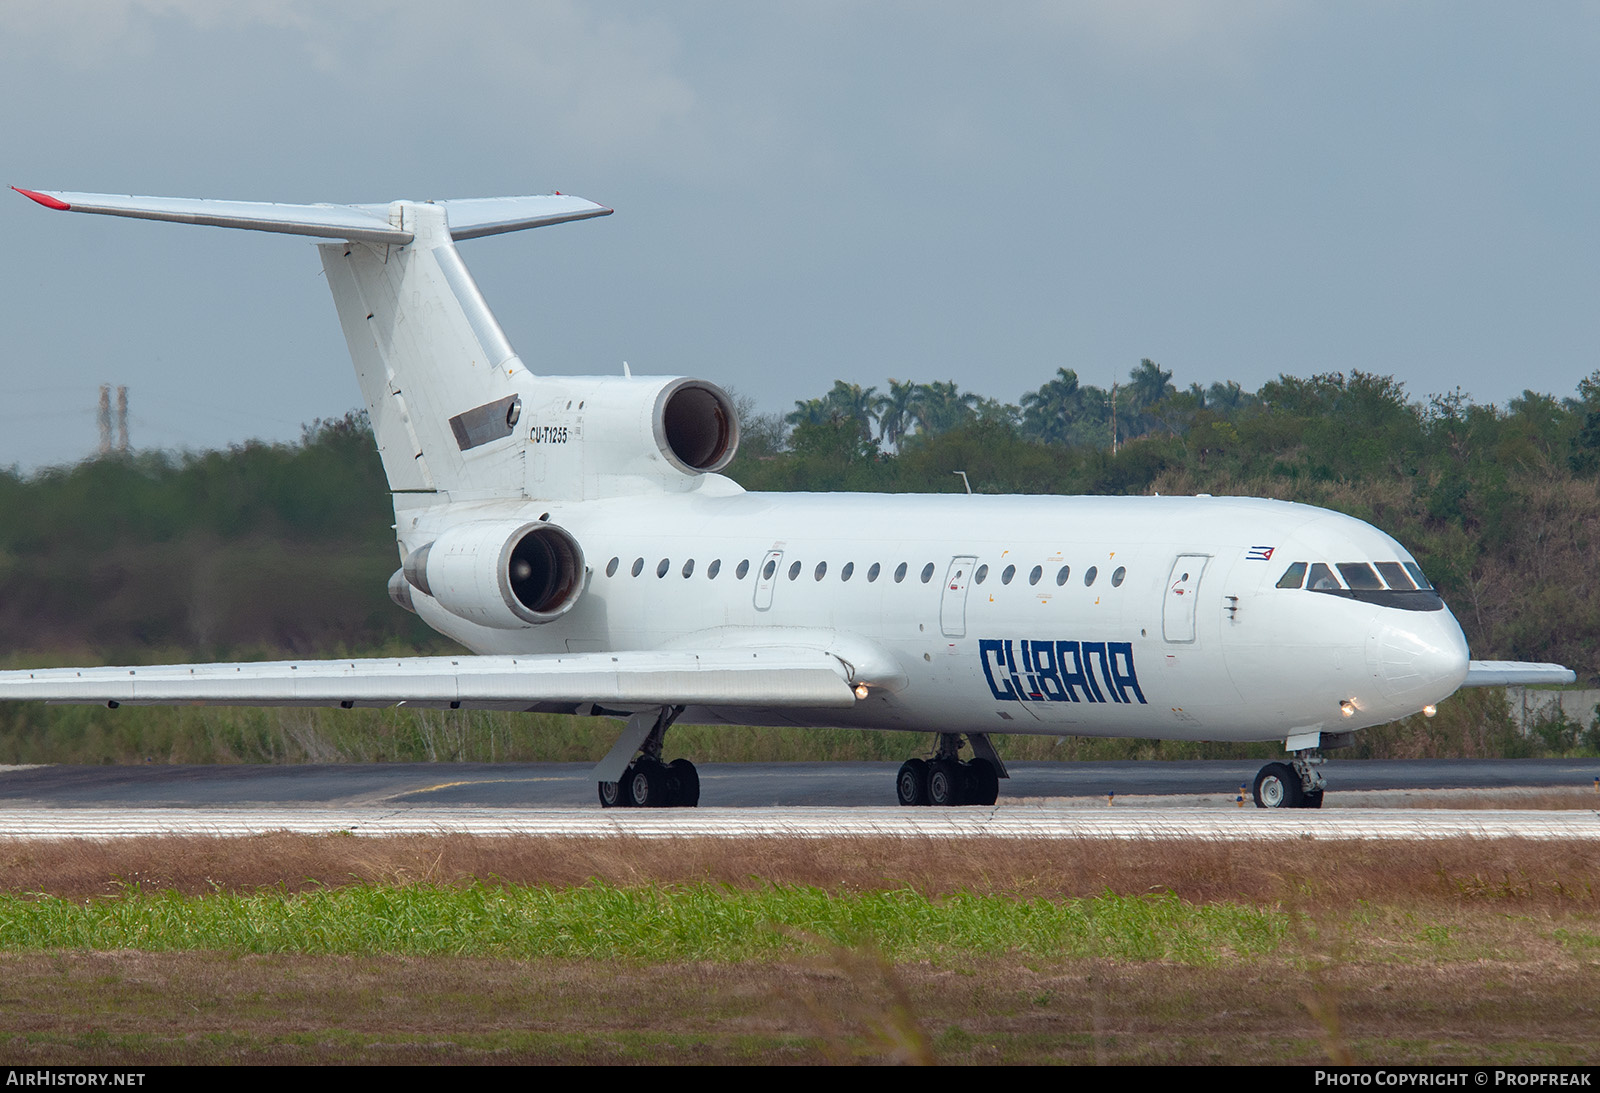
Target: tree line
[{"x": 268, "y": 549}]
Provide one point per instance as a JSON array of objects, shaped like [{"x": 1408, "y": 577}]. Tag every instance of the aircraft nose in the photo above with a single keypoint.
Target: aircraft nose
[{"x": 1419, "y": 659}]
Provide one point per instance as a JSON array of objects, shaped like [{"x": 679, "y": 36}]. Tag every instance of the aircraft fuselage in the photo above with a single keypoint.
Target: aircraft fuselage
[{"x": 1094, "y": 616}]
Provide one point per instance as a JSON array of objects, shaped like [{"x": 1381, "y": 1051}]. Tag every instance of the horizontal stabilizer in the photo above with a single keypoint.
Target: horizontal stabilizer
[
  {"x": 473, "y": 217},
  {"x": 764, "y": 677},
  {"x": 468, "y": 219},
  {"x": 1503, "y": 673}
]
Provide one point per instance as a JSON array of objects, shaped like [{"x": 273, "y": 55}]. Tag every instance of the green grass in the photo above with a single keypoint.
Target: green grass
[{"x": 644, "y": 924}]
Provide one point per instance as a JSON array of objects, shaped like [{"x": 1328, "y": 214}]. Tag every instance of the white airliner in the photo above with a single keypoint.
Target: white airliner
[{"x": 574, "y": 533}]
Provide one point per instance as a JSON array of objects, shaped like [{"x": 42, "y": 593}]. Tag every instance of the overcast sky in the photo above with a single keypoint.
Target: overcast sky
[{"x": 809, "y": 192}]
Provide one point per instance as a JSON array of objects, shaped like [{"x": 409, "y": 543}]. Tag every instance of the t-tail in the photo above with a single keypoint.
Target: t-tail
[{"x": 454, "y": 409}]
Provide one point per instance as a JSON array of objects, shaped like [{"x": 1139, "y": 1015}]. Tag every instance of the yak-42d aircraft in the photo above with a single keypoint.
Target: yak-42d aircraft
[{"x": 574, "y": 533}]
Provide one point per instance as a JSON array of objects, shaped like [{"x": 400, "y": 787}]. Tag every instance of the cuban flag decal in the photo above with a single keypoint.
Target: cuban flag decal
[{"x": 1260, "y": 554}]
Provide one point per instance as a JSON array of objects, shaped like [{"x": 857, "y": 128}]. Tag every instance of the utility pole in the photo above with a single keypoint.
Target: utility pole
[
  {"x": 105, "y": 420},
  {"x": 122, "y": 420},
  {"x": 1113, "y": 417}
]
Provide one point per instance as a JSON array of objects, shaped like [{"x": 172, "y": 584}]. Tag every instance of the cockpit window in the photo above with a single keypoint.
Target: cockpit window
[
  {"x": 1360, "y": 577},
  {"x": 1322, "y": 579},
  {"x": 1416, "y": 573},
  {"x": 1361, "y": 583},
  {"x": 1394, "y": 574},
  {"x": 1293, "y": 577}
]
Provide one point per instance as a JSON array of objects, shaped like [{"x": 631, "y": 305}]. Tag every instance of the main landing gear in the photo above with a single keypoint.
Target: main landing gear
[
  {"x": 1295, "y": 784},
  {"x": 948, "y": 780},
  {"x": 648, "y": 781}
]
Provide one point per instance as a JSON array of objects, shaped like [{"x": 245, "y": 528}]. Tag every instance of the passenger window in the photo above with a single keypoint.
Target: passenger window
[
  {"x": 927, "y": 573},
  {"x": 822, "y": 570},
  {"x": 1293, "y": 577},
  {"x": 1038, "y": 571},
  {"x": 1116, "y": 577},
  {"x": 1395, "y": 575},
  {"x": 899, "y": 573},
  {"x": 1416, "y": 574},
  {"x": 1007, "y": 573},
  {"x": 849, "y": 568},
  {"x": 1062, "y": 574},
  {"x": 638, "y": 566},
  {"x": 1359, "y": 576},
  {"x": 742, "y": 568},
  {"x": 982, "y": 574},
  {"x": 1322, "y": 579},
  {"x": 1089, "y": 575},
  {"x": 872, "y": 573},
  {"x": 713, "y": 569},
  {"x": 769, "y": 569},
  {"x": 611, "y": 567},
  {"x": 688, "y": 569},
  {"x": 661, "y": 570},
  {"x": 794, "y": 571}
]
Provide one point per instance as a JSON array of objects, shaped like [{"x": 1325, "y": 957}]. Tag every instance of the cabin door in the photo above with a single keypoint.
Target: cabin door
[
  {"x": 953, "y": 601},
  {"x": 1180, "y": 600},
  {"x": 766, "y": 577}
]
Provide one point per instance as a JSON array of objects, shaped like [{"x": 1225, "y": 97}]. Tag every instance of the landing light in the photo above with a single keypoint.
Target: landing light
[
  {"x": 861, "y": 690},
  {"x": 1347, "y": 708},
  {"x": 1429, "y": 711}
]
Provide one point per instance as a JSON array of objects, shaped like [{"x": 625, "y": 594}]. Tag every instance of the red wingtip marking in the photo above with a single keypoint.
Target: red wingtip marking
[{"x": 44, "y": 199}]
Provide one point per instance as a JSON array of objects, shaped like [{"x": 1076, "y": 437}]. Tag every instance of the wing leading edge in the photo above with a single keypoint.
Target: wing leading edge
[
  {"x": 1502, "y": 673},
  {"x": 765, "y": 677}
]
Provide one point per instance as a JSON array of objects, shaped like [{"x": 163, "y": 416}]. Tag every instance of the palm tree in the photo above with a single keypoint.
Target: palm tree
[
  {"x": 896, "y": 411},
  {"x": 852, "y": 402},
  {"x": 1148, "y": 384},
  {"x": 941, "y": 407},
  {"x": 1048, "y": 413},
  {"x": 813, "y": 411}
]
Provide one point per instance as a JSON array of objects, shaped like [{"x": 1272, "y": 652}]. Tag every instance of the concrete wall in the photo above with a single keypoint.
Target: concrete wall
[{"x": 1528, "y": 704}]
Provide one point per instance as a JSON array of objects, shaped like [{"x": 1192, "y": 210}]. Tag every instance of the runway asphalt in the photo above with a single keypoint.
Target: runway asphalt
[{"x": 739, "y": 785}]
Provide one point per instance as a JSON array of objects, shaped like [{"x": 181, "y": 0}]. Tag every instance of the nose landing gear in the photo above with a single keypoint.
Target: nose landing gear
[
  {"x": 1295, "y": 784},
  {"x": 946, "y": 779}
]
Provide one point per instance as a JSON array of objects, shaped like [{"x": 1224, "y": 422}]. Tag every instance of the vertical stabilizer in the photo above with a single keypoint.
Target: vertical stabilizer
[{"x": 437, "y": 373}]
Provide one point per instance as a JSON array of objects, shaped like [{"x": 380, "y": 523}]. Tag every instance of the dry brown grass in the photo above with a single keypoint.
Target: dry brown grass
[
  {"x": 1554, "y": 800},
  {"x": 1330, "y": 874},
  {"x": 131, "y": 1008}
]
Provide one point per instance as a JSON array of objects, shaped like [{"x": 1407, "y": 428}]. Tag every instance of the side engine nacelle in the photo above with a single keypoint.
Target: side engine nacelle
[{"x": 501, "y": 573}]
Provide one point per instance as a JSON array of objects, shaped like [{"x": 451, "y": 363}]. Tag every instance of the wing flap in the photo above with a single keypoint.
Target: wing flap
[
  {"x": 1503, "y": 673},
  {"x": 774, "y": 677}
]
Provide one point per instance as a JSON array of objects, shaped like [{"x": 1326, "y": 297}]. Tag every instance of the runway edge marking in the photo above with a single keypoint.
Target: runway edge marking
[{"x": 1211, "y": 825}]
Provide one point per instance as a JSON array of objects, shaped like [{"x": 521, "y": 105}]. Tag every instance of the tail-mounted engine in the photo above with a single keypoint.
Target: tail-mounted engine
[
  {"x": 601, "y": 436},
  {"x": 695, "y": 426},
  {"x": 506, "y": 574}
]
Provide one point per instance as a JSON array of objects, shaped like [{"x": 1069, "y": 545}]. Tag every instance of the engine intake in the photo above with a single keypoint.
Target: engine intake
[
  {"x": 696, "y": 426},
  {"x": 508, "y": 575}
]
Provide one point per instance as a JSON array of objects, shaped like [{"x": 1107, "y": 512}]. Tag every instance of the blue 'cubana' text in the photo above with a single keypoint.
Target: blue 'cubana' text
[{"x": 1060, "y": 671}]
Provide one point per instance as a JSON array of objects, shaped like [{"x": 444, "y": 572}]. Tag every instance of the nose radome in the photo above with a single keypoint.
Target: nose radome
[{"x": 1420, "y": 658}]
